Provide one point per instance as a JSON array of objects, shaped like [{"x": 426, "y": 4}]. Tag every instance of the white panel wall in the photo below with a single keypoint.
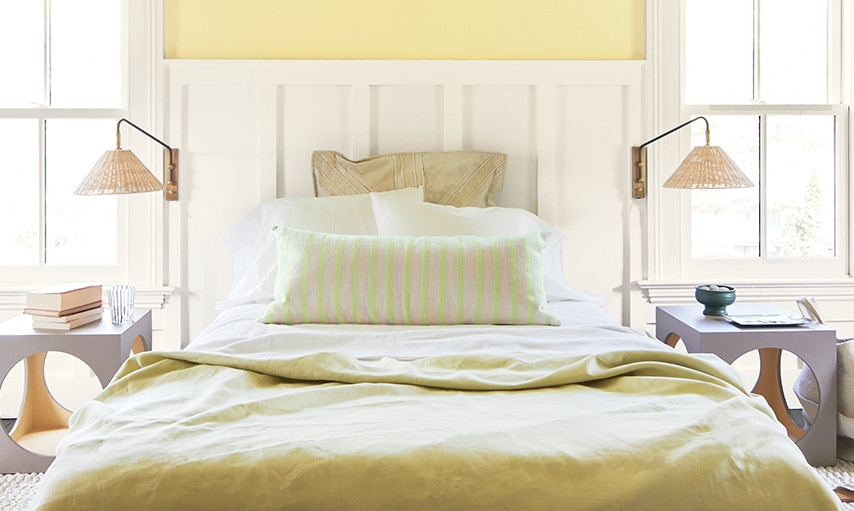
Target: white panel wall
[
  {"x": 502, "y": 118},
  {"x": 405, "y": 116},
  {"x": 247, "y": 129},
  {"x": 312, "y": 118},
  {"x": 220, "y": 181},
  {"x": 590, "y": 201}
]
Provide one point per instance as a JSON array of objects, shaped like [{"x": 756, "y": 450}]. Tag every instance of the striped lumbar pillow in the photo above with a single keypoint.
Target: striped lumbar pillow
[{"x": 337, "y": 278}]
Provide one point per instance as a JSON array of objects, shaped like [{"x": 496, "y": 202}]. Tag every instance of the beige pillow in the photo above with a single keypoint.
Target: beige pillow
[
  {"x": 455, "y": 178},
  {"x": 441, "y": 280}
]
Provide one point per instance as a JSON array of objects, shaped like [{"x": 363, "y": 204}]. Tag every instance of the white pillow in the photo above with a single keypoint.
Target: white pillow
[
  {"x": 395, "y": 217},
  {"x": 253, "y": 246},
  {"x": 407, "y": 280}
]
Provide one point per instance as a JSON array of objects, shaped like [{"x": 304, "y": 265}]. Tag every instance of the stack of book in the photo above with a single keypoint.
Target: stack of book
[{"x": 64, "y": 307}]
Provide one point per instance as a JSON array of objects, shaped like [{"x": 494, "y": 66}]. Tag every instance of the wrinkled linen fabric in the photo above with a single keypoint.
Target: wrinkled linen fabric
[
  {"x": 454, "y": 178},
  {"x": 589, "y": 415}
]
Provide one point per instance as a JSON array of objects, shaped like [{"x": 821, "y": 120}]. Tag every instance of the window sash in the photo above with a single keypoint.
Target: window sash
[
  {"x": 669, "y": 251},
  {"x": 43, "y": 271},
  {"x": 140, "y": 229},
  {"x": 764, "y": 266}
]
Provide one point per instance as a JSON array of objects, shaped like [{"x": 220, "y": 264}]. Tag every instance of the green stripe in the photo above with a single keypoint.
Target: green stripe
[
  {"x": 460, "y": 281},
  {"x": 339, "y": 263},
  {"x": 354, "y": 288},
  {"x": 286, "y": 308},
  {"x": 529, "y": 280},
  {"x": 372, "y": 277},
  {"x": 425, "y": 282},
  {"x": 407, "y": 275},
  {"x": 478, "y": 301},
  {"x": 495, "y": 280},
  {"x": 280, "y": 291},
  {"x": 514, "y": 284},
  {"x": 321, "y": 307},
  {"x": 389, "y": 280},
  {"x": 441, "y": 281},
  {"x": 303, "y": 300}
]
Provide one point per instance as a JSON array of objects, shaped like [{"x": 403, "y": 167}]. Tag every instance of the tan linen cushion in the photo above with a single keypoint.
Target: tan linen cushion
[{"x": 455, "y": 178}]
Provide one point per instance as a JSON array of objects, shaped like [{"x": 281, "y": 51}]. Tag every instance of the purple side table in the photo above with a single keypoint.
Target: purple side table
[
  {"x": 42, "y": 421},
  {"x": 815, "y": 344}
]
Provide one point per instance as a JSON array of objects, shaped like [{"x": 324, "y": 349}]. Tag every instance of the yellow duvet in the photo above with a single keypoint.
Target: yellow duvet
[{"x": 500, "y": 418}]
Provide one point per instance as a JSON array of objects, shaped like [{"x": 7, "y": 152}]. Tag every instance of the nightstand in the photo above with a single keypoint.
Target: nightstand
[
  {"x": 813, "y": 343},
  {"x": 42, "y": 421}
]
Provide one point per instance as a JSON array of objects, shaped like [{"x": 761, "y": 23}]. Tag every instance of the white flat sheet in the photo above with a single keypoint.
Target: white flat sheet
[{"x": 579, "y": 320}]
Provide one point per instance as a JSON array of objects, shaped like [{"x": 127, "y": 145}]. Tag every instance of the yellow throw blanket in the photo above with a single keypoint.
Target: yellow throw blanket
[{"x": 605, "y": 427}]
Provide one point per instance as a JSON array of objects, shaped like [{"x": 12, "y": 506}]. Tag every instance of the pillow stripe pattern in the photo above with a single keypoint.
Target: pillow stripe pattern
[{"x": 431, "y": 280}]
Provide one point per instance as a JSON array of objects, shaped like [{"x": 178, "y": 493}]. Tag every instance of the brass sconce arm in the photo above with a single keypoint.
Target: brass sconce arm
[
  {"x": 120, "y": 171},
  {"x": 171, "y": 165},
  {"x": 705, "y": 167}
]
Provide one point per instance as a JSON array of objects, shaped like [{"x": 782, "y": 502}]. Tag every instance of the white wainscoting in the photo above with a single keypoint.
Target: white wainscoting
[{"x": 246, "y": 130}]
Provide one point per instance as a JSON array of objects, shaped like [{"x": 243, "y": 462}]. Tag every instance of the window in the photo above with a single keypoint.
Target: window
[
  {"x": 56, "y": 119},
  {"x": 766, "y": 74}
]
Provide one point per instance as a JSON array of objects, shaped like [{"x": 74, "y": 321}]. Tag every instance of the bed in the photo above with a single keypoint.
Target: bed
[{"x": 315, "y": 389}]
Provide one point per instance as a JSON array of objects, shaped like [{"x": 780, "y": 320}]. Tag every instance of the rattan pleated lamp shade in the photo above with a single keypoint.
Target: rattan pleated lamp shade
[
  {"x": 708, "y": 167},
  {"x": 118, "y": 171}
]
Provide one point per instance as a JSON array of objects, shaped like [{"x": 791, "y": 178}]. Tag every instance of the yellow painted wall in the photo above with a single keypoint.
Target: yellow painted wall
[{"x": 404, "y": 29}]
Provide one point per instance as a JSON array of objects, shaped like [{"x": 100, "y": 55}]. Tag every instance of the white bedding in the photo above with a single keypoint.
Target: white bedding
[{"x": 236, "y": 326}]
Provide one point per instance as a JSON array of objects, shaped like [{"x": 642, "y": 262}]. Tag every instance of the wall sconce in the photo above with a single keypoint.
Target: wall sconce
[
  {"x": 120, "y": 171},
  {"x": 705, "y": 167}
]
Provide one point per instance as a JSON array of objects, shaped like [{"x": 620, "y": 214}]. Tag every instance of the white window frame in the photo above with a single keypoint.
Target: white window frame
[
  {"x": 140, "y": 224},
  {"x": 668, "y": 210}
]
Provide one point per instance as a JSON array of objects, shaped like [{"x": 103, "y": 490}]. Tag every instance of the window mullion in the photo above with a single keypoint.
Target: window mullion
[
  {"x": 46, "y": 99},
  {"x": 47, "y": 55},
  {"x": 763, "y": 188},
  {"x": 42, "y": 192},
  {"x": 757, "y": 93},
  {"x": 835, "y": 52}
]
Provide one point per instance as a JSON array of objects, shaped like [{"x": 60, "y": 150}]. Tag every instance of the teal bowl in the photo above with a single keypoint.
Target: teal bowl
[{"x": 715, "y": 297}]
